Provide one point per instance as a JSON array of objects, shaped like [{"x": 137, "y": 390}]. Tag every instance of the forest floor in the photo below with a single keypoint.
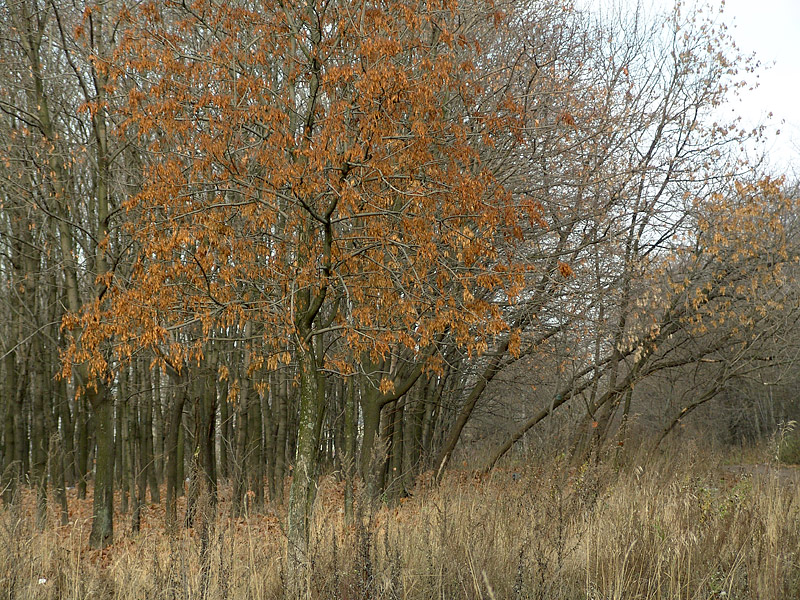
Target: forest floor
[{"x": 684, "y": 525}]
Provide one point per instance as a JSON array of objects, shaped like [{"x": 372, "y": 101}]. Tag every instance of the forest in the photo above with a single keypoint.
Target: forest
[{"x": 294, "y": 259}]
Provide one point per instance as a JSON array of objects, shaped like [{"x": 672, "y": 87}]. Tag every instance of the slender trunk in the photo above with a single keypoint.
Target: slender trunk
[
  {"x": 39, "y": 440},
  {"x": 280, "y": 440},
  {"x": 59, "y": 466},
  {"x": 394, "y": 465},
  {"x": 242, "y": 428},
  {"x": 269, "y": 436},
  {"x": 428, "y": 421},
  {"x": 159, "y": 415},
  {"x": 123, "y": 439},
  {"x": 382, "y": 459},
  {"x": 147, "y": 454},
  {"x": 173, "y": 456},
  {"x": 349, "y": 460},
  {"x": 67, "y": 433},
  {"x": 304, "y": 483},
  {"x": 194, "y": 461},
  {"x": 338, "y": 425},
  {"x": 209, "y": 435},
  {"x": 411, "y": 440},
  {"x": 240, "y": 452},
  {"x": 103, "y": 509},
  {"x": 55, "y": 452},
  {"x": 371, "y": 415},
  {"x": 255, "y": 464},
  {"x": 623, "y": 428},
  {"x": 83, "y": 445},
  {"x": 203, "y": 485},
  {"x": 224, "y": 431},
  {"x": 26, "y": 412},
  {"x": 11, "y": 464},
  {"x": 135, "y": 459},
  {"x": 180, "y": 460}
]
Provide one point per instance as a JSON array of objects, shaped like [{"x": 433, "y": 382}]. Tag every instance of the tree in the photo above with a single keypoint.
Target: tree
[
  {"x": 312, "y": 173},
  {"x": 56, "y": 103}
]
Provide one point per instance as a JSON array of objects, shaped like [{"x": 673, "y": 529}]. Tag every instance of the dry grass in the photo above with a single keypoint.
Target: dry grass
[{"x": 667, "y": 530}]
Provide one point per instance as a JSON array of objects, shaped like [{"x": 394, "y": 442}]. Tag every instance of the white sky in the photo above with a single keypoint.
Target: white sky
[{"x": 770, "y": 29}]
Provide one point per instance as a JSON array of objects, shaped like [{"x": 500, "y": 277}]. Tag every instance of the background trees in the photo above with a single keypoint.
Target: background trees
[{"x": 329, "y": 236}]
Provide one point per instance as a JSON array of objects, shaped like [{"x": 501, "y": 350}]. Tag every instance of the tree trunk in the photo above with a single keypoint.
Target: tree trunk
[
  {"x": 159, "y": 415},
  {"x": 240, "y": 451},
  {"x": 171, "y": 467},
  {"x": 39, "y": 439},
  {"x": 412, "y": 430},
  {"x": 102, "y": 404},
  {"x": 255, "y": 464},
  {"x": 304, "y": 484},
  {"x": 208, "y": 435},
  {"x": 147, "y": 453},
  {"x": 12, "y": 466},
  {"x": 122, "y": 440},
  {"x": 67, "y": 433},
  {"x": 136, "y": 475},
  {"x": 225, "y": 438},
  {"x": 267, "y": 416},
  {"x": 82, "y": 467},
  {"x": 58, "y": 464},
  {"x": 180, "y": 460},
  {"x": 371, "y": 415},
  {"x": 280, "y": 440},
  {"x": 349, "y": 460},
  {"x": 394, "y": 464}
]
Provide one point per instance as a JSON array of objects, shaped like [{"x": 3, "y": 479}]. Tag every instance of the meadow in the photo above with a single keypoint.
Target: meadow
[{"x": 690, "y": 524}]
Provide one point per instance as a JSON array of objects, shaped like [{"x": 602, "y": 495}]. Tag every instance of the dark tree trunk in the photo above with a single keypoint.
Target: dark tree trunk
[
  {"x": 255, "y": 464},
  {"x": 240, "y": 452},
  {"x": 159, "y": 417},
  {"x": 173, "y": 457},
  {"x": 349, "y": 460},
  {"x": 102, "y": 404},
  {"x": 12, "y": 466},
  {"x": 67, "y": 433},
  {"x": 82, "y": 467},
  {"x": 39, "y": 439},
  {"x": 394, "y": 464},
  {"x": 135, "y": 453},
  {"x": 282, "y": 399},
  {"x": 225, "y": 438},
  {"x": 208, "y": 434},
  {"x": 146, "y": 435},
  {"x": 268, "y": 419},
  {"x": 122, "y": 460}
]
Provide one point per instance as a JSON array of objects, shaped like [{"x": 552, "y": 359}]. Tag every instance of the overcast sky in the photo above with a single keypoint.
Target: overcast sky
[{"x": 771, "y": 29}]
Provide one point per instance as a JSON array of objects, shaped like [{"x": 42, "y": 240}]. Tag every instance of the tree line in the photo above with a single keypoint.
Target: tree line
[{"x": 243, "y": 241}]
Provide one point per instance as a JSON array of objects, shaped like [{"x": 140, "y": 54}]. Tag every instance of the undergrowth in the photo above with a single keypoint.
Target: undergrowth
[{"x": 657, "y": 529}]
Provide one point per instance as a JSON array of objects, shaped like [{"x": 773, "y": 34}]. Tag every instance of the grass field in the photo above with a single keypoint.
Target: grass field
[{"x": 682, "y": 528}]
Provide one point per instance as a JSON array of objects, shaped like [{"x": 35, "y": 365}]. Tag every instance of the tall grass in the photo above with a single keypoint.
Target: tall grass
[{"x": 663, "y": 529}]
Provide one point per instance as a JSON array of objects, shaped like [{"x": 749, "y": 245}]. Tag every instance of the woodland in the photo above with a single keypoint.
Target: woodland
[{"x": 251, "y": 248}]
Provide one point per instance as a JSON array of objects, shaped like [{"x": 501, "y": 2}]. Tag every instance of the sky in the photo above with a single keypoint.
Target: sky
[{"x": 771, "y": 30}]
